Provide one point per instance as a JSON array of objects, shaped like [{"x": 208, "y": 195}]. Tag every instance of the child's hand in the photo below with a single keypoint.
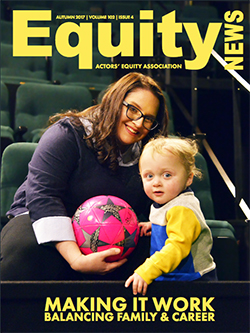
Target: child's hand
[
  {"x": 145, "y": 228},
  {"x": 139, "y": 285}
]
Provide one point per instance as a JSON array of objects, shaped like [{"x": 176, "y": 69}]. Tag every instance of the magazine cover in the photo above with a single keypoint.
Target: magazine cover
[{"x": 125, "y": 166}]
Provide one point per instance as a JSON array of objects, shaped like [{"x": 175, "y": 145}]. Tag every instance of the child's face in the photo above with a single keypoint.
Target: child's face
[{"x": 163, "y": 177}]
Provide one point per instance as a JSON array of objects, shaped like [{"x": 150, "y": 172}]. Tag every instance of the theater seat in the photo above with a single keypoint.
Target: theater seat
[
  {"x": 202, "y": 188},
  {"x": 14, "y": 169},
  {"x": 15, "y": 70},
  {"x": 5, "y": 113},
  {"x": 7, "y": 133},
  {"x": 66, "y": 71},
  {"x": 225, "y": 249},
  {"x": 7, "y": 137},
  {"x": 35, "y": 103}
]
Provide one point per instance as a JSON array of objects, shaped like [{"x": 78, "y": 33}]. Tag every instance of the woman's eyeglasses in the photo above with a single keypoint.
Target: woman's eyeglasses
[{"x": 150, "y": 123}]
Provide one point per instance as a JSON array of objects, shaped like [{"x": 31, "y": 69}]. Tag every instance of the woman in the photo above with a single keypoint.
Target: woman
[{"x": 81, "y": 155}]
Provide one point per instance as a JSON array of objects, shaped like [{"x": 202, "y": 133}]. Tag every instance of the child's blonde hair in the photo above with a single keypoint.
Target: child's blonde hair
[{"x": 184, "y": 148}]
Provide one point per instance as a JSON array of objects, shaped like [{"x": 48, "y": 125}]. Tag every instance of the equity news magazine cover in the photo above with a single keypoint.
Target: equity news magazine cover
[{"x": 198, "y": 52}]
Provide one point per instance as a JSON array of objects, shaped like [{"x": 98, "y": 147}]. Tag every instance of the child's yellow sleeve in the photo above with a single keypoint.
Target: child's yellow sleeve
[{"x": 183, "y": 228}]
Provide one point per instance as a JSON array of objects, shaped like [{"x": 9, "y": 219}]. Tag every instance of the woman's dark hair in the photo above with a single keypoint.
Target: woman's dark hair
[{"x": 106, "y": 115}]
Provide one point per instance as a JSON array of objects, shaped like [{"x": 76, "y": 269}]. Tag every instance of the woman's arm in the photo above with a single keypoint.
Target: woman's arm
[
  {"x": 94, "y": 263},
  {"x": 50, "y": 170}
]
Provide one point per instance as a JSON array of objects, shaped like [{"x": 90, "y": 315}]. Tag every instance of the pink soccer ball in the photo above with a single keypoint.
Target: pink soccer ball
[{"x": 104, "y": 222}]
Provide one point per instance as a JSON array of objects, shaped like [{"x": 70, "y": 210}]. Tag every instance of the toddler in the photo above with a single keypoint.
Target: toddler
[{"x": 181, "y": 241}]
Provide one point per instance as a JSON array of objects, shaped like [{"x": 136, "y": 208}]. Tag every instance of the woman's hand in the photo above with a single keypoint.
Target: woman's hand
[
  {"x": 139, "y": 285},
  {"x": 94, "y": 263},
  {"x": 145, "y": 228}
]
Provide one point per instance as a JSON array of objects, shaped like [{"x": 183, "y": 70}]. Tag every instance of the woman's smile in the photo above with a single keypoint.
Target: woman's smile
[{"x": 131, "y": 130}]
